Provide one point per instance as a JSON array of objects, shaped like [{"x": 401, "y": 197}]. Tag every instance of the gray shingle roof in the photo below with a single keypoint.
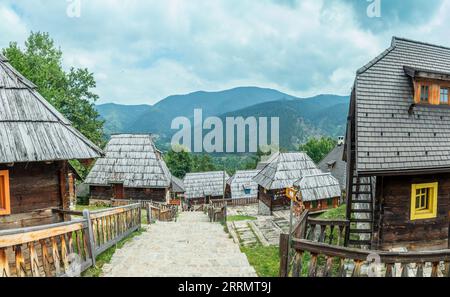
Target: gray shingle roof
[
  {"x": 199, "y": 185},
  {"x": 33, "y": 130},
  {"x": 334, "y": 164},
  {"x": 318, "y": 187},
  {"x": 388, "y": 137},
  {"x": 131, "y": 160},
  {"x": 284, "y": 169},
  {"x": 177, "y": 185},
  {"x": 242, "y": 180}
]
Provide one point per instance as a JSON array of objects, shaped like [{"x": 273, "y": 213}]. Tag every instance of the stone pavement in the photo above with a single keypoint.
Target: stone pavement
[{"x": 190, "y": 247}]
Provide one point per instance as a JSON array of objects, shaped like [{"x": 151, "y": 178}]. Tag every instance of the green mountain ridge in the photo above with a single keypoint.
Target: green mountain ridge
[{"x": 300, "y": 119}]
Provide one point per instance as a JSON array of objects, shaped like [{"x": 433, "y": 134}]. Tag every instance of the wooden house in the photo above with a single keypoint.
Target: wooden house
[
  {"x": 204, "y": 186},
  {"x": 36, "y": 142},
  {"x": 283, "y": 170},
  {"x": 319, "y": 192},
  {"x": 241, "y": 185},
  {"x": 333, "y": 163},
  {"x": 132, "y": 169},
  {"x": 397, "y": 149}
]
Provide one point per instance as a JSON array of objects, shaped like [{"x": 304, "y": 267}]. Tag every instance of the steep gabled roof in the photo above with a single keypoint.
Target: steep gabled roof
[
  {"x": 284, "y": 169},
  {"x": 334, "y": 164},
  {"x": 318, "y": 187},
  {"x": 242, "y": 180},
  {"x": 199, "y": 185},
  {"x": 31, "y": 129},
  {"x": 391, "y": 133},
  {"x": 131, "y": 160}
]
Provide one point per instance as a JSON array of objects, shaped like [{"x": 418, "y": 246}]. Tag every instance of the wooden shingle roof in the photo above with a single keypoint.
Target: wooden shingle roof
[
  {"x": 391, "y": 133},
  {"x": 199, "y": 185},
  {"x": 284, "y": 169},
  {"x": 242, "y": 180},
  {"x": 318, "y": 187},
  {"x": 132, "y": 160},
  {"x": 31, "y": 129},
  {"x": 334, "y": 164}
]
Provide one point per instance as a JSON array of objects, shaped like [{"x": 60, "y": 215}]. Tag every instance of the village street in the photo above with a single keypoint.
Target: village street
[{"x": 190, "y": 247}]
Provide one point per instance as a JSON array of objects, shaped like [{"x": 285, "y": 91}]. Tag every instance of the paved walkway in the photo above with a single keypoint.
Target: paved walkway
[{"x": 190, "y": 247}]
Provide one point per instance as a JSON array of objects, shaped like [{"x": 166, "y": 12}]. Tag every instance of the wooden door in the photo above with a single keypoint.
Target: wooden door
[{"x": 118, "y": 191}]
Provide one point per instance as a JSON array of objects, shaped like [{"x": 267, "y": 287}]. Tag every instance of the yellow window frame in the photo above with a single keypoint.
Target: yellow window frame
[
  {"x": 5, "y": 203},
  {"x": 427, "y": 195}
]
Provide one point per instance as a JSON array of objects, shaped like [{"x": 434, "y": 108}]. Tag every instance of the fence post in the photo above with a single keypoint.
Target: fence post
[
  {"x": 284, "y": 253},
  {"x": 149, "y": 213},
  {"x": 87, "y": 217},
  {"x": 140, "y": 216}
]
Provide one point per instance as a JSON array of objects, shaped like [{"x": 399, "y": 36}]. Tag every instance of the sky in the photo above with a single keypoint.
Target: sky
[{"x": 143, "y": 51}]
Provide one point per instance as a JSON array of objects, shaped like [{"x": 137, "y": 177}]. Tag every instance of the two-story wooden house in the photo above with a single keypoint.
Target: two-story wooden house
[{"x": 398, "y": 149}]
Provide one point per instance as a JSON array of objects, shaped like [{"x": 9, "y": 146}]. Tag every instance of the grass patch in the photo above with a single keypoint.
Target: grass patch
[
  {"x": 240, "y": 218},
  {"x": 80, "y": 207},
  {"x": 265, "y": 259},
  {"x": 339, "y": 213},
  {"x": 106, "y": 256}
]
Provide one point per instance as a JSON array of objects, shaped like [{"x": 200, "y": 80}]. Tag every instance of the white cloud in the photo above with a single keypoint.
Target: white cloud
[{"x": 142, "y": 51}]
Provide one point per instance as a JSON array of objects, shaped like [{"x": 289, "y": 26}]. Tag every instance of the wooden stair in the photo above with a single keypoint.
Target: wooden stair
[{"x": 362, "y": 195}]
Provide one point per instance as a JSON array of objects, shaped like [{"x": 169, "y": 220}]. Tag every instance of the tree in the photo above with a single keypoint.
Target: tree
[
  {"x": 69, "y": 92},
  {"x": 318, "y": 148},
  {"x": 179, "y": 163},
  {"x": 202, "y": 163}
]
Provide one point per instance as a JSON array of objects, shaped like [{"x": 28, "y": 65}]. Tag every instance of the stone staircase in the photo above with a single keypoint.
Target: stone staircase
[{"x": 190, "y": 247}]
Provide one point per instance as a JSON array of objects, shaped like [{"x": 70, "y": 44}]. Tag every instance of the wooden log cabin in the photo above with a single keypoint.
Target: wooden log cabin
[
  {"x": 202, "y": 187},
  {"x": 36, "y": 142},
  {"x": 132, "y": 168},
  {"x": 318, "y": 192},
  {"x": 281, "y": 171},
  {"x": 397, "y": 149}
]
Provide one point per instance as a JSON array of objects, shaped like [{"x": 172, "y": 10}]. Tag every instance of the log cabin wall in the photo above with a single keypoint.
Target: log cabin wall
[
  {"x": 106, "y": 193},
  {"x": 35, "y": 188},
  {"x": 393, "y": 226},
  {"x": 268, "y": 198},
  {"x": 322, "y": 204}
]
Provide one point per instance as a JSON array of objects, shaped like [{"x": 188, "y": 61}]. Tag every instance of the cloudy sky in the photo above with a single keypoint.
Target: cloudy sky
[{"x": 142, "y": 51}]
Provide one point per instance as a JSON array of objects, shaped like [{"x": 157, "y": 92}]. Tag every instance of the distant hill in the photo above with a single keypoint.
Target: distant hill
[{"x": 299, "y": 118}]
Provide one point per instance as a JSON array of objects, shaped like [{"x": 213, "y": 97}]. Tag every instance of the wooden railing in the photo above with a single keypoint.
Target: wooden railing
[
  {"x": 155, "y": 210},
  {"x": 315, "y": 249},
  {"x": 234, "y": 202},
  {"x": 65, "y": 249},
  {"x": 327, "y": 260}
]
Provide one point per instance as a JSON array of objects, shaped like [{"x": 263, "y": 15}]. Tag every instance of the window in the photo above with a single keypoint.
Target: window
[
  {"x": 424, "y": 93},
  {"x": 424, "y": 201},
  {"x": 444, "y": 96},
  {"x": 5, "y": 208},
  {"x": 314, "y": 204},
  {"x": 330, "y": 202},
  {"x": 247, "y": 191}
]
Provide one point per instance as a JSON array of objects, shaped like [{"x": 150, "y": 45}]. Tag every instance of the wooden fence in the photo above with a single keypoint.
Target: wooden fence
[
  {"x": 155, "y": 210},
  {"x": 234, "y": 202},
  {"x": 315, "y": 249},
  {"x": 65, "y": 249},
  {"x": 217, "y": 214}
]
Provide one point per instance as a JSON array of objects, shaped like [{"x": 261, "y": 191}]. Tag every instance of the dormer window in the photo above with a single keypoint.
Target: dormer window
[
  {"x": 424, "y": 94},
  {"x": 444, "y": 96}
]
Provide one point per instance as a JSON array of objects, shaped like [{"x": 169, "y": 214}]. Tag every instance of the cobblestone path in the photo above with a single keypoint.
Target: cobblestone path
[{"x": 190, "y": 247}]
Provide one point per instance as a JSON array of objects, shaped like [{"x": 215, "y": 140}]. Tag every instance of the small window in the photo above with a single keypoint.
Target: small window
[
  {"x": 247, "y": 191},
  {"x": 330, "y": 202},
  {"x": 5, "y": 206},
  {"x": 424, "y": 201},
  {"x": 424, "y": 93},
  {"x": 444, "y": 96}
]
